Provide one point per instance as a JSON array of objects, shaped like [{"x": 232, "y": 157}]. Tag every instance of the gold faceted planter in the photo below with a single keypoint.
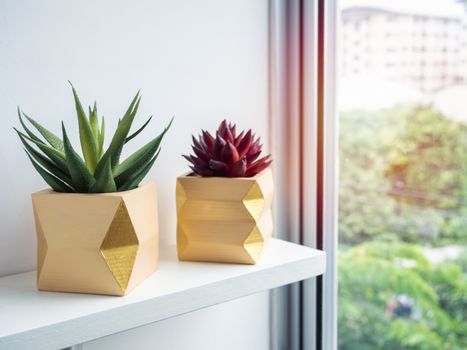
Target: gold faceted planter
[
  {"x": 105, "y": 243},
  {"x": 224, "y": 219}
]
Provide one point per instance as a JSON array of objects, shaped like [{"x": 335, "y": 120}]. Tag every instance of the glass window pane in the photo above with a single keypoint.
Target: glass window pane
[{"x": 403, "y": 175}]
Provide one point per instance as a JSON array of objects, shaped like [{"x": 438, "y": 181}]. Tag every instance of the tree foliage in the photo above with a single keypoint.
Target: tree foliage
[
  {"x": 372, "y": 274},
  {"x": 403, "y": 175},
  {"x": 403, "y": 186}
]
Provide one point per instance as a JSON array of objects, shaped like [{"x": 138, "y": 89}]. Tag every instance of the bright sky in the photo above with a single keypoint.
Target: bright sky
[{"x": 448, "y": 8}]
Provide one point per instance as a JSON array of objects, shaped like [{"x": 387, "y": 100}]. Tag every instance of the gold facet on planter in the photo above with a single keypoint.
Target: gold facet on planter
[
  {"x": 224, "y": 219},
  {"x": 105, "y": 243}
]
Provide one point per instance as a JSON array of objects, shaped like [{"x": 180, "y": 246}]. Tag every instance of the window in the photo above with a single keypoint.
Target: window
[{"x": 403, "y": 188}]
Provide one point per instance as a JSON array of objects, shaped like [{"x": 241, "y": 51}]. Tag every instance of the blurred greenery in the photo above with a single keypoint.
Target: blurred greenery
[
  {"x": 403, "y": 188},
  {"x": 372, "y": 274}
]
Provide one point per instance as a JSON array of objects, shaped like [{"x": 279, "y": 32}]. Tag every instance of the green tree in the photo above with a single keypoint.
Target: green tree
[
  {"x": 403, "y": 181},
  {"x": 372, "y": 274},
  {"x": 427, "y": 159},
  {"x": 403, "y": 176}
]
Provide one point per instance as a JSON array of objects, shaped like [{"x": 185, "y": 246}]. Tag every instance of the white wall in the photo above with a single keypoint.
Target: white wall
[
  {"x": 236, "y": 325},
  {"x": 198, "y": 60}
]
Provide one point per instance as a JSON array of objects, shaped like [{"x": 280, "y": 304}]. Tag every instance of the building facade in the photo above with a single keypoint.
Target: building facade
[{"x": 428, "y": 52}]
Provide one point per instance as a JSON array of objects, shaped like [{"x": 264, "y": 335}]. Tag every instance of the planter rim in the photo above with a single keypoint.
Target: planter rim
[
  {"x": 140, "y": 187},
  {"x": 188, "y": 175}
]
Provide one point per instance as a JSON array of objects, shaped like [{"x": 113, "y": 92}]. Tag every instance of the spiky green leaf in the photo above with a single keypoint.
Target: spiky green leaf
[
  {"x": 135, "y": 180},
  {"x": 101, "y": 139},
  {"x": 88, "y": 143},
  {"x": 116, "y": 156},
  {"x": 56, "y": 184},
  {"x": 29, "y": 132},
  {"x": 104, "y": 181},
  {"x": 49, "y": 136},
  {"x": 55, "y": 155},
  {"x": 46, "y": 163},
  {"x": 139, "y": 158},
  {"x": 138, "y": 131},
  {"x": 81, "y": 177},
  {"x": 94, "y": 122},
  {"x": 120, "y": 135}
]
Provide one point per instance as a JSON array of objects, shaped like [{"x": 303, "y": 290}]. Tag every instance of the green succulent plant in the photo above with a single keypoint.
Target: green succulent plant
[{"x": 100, "y": 171}]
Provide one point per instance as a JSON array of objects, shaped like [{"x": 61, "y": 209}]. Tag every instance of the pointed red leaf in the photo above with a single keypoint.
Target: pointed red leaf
[
  {"x": 253, "y": 157},
  {"x": 219, "y": 168},
  {"x": 258, "y": 166},
  {"x": 229, "y": 153},
  {"x": 196, "y": 143},
  {"x": 254, "y": 148},
  {"x": 223, "y": 125},
  {"x": 218, "y": 146},
  {"x": 201, "y": 154},
  {"x": 239, "y": 138},
  {"x": 244, "y": 144},
  {"x": 208, "y": 140},
  {"x": 233, "y": 130},
  {"x": 188, "y": 158},
  {"x": 238, "y": 169},
  {"x": 224, "y": 131},
  {"x": 201, "y": 171},
  {"x": 199, "y": 162}
]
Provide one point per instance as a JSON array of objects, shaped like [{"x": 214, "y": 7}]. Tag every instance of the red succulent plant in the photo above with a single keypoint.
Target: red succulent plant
[{"x": 227, "y": 154}]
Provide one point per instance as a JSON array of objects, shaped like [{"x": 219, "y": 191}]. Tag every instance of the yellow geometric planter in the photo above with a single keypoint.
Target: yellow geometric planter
[
  {"x": 224, "y": 219},
  {"x": 105, "y": 243}
]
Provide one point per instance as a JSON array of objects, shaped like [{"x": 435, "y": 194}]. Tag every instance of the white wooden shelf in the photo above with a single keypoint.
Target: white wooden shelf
[{"x": 30, "y": 319}]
